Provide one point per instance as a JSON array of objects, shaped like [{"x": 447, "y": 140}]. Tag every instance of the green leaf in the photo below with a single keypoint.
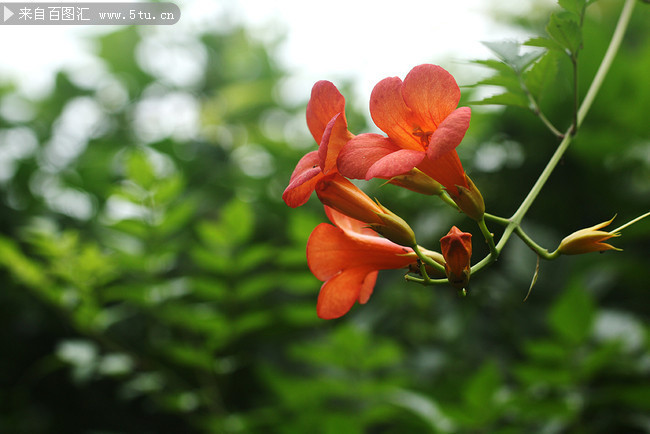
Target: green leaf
[
  {"x": 20, "y": 266},
  {"x": 209, "y": 288},
  {"x": 523, "y": 61},
  {"x": 255, "y": 286},
  {"x": 177, "y": 217},
  {"x": 481, "y": 388},
  {"x": 140, "y": 170},
  {"x": 512, "y": 99},
  {"x": 251, "y": 322},
  {"x": 534, "y": 375},
  {"x": 188, "y": 356},
  {"x": 497, "y": 65},
  {"x": 254, "y": 257},
  {"x": 511, "y": 83},
  {"x": 546, "y": 351},
  {"x": 211, "y": 260},
  {"x": 544, "y": 43},
  {"x": 199, "y": 318},
  {"x": 564, "y": 29},
  {"x": 118, "y": 50},
  {"x": 574, "y": 6},
  {"x": 572, "y": 316},
  {"x": 234, "y": 227},
  {"x": 601, "y": 359},
  {"x": 168, "y": 189},
  {"x": 424, "y": 407},
  {"x": 237, "y": 221},
  {"x": 508, "y": 51},
  {"x": 301, "y": 315},
  {"x": 301, "y": 224},
  {"x": 631, "y": 395},
  {"x": 541, "y": 74}
]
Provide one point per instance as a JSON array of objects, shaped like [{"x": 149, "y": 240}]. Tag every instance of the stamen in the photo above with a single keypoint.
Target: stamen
[{"x": 423, "y": 135}]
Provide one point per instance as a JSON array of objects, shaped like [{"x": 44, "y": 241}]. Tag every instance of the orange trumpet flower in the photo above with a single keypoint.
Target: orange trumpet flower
[
  {"x": 423, "y": 124},
  {"x": 327, "y": 124},
  {"x": 347, "y": 258}
]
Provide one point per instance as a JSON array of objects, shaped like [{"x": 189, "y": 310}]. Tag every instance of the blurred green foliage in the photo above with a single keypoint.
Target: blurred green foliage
[{"x": 154, "y": 281}]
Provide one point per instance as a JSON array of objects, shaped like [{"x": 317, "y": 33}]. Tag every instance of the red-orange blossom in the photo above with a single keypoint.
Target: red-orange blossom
[
  {"x": 327, "y": 124},
  {"x": 347, "y": 257},
  {"x": 423, "y": 125}
]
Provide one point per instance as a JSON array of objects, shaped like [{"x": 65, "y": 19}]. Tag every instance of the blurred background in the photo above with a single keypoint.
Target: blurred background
[{"x": 152, "y": 280}]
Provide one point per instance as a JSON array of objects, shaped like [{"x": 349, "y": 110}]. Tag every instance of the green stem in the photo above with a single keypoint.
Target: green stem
[
  {"x": 534, "y": 106},
  {"x": 496, "y": 219},
  {"x": 614, "y": 45},
  {"x": 429, "y": 281},
  {"x": 489, "y": 238},
  {"x": 582, "y": 112},
  {"x": 620, "y": 228},
  {"x": 444, "y": 196},
  {"x": 428, "y": 261},
  {"x": 541, "y": 252},
  {"x": 548, "y": 124},
  {"x": 512, "y": 225},
  {"x": 576, "y": 94}
]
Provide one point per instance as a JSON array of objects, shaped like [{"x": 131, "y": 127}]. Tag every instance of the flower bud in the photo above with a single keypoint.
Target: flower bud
[
  {"x": 432, "y": 272},
  {"x": 456, "y": 248},
  {"x": 588, "y": 240},
  {"x": 419, "y": 182},
  {"x": 470, "y": 200}
]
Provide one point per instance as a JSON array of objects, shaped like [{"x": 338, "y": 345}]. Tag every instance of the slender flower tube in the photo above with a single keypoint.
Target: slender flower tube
[
  {"x": 339, "y": 193},
  {"x": 588, "y": 240},
  {"x": 347, "y": 257},
  {"x": 328, "y": 125},
  {"x": 456, "y": 248}
]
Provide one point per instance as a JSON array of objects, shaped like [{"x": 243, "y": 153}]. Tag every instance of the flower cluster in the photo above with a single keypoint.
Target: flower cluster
[{"x": 423, "y": 127}]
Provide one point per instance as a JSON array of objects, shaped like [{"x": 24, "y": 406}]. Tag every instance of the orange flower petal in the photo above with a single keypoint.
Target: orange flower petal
[
  {"x": 447, "y": 170},
  {"x": 330, "y": 250},
  {"x": 335, "y": 136},
  {"x": 367, "y": 287},
  {"x": 351, "y": 227},
  {"x": 338, "y": 294},
  {"x": 392, "y": 115},
  {"x": 431, "y": 93},
  {"x": 450, "y": 133},
  {"x": 373, "y": 156},
  {"x": 360, "y": 153},
  {"x": 303, "y": 180},
  {"x": 326, "y": 102},
  {"x": 396, "y": 163}
]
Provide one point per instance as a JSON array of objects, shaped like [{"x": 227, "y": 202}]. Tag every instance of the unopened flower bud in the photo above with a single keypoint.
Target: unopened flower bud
[
  {"x": 456, "y": 248},
  {"x": 432, "y": 272},
  {"x": 588, "y": 240},
  {"x": 470, "y": 200},
  {"x": 419, "y": 182}
]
